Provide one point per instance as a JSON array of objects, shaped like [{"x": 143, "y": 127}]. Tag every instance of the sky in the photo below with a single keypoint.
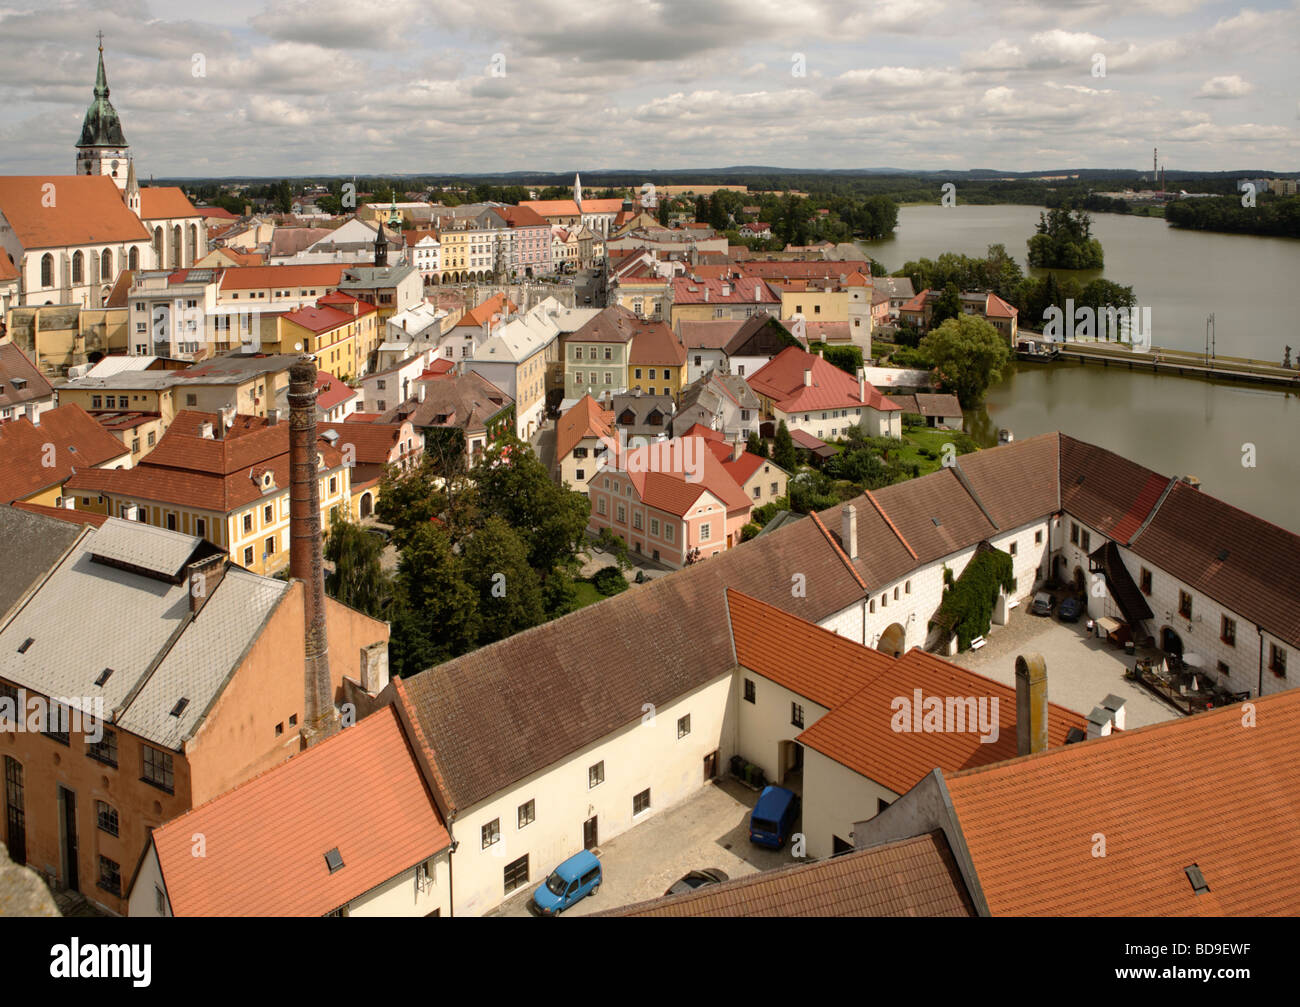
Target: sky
[{"x": 338, "y": 87}]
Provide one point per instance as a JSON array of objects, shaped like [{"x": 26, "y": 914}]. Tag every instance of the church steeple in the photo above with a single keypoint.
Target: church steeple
[
  {"x": 381, "y": 245},
  {"x": 102, "y": 149},
  {"x": 132, "y": 194}
]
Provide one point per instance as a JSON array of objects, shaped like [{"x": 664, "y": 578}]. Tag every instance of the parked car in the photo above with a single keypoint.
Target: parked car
[
  {"x": 1070, "y": 609},
  {"x": 1042, "y": 604},
  {"x": 573, "y": 880},
  {"x": 773, "y": 817},
  {"x": 696, "y": 879}
]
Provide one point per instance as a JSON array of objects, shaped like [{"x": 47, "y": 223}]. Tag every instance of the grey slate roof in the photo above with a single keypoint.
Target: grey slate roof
[
  {"x": 30, "y": 544},
  {"x": 89, "y": 616},
  {"x": 145, "y": 547}
]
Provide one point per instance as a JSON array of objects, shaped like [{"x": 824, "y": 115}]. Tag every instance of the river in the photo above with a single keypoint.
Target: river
[{"x": 1176, "y": 426}]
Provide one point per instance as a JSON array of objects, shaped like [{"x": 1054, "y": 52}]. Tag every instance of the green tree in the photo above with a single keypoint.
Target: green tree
[
  {"x": 357, "y": 578},
  {"x": 513, "y": 484},
  {"x": 947, "y": 306},
  {"x": 437, "y": 614},
  {"x": 508, "y": 591},
  {"x": 756, "y": 446},
  {"x": 609, "y": 542},
  {"x": 1064, "y": 241},
  {"x": 969, "y": 354},
  {"x": 783, "y": 452}
]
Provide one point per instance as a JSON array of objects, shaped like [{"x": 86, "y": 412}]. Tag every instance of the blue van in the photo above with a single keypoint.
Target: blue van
[
  {"x": 773, "y": 817},
  {"x": 575, "y": 879}
]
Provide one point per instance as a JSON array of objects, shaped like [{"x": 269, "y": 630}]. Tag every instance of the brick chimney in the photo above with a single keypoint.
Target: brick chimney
[
  {"x": 849, "y": 530},
  {"x": 320, "y": 718},
  {"x": 204, "y": 576},
  {"x": 1031, "y": 704},
  {"x": 807, "y": 377}
]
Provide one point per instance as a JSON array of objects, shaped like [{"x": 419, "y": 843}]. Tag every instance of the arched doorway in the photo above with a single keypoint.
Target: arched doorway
[
  {"x": 366, "y": 506},
  {"x": 1170, "y": 642},
  {"x": 1080, "y": 582},
  {"x": 892, "y": 641}
]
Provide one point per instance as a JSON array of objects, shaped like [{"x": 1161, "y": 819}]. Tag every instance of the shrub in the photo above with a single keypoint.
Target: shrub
[
  {"x": 967, "y": 606},
  {"x": 749, "y": 531},
  {"x": 609, "y": 581}
]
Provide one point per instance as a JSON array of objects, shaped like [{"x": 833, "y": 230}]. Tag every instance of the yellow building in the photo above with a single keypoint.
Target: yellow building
[
  {"x": 339, "y": 329},
  {"x": 657, "y": 360},
  {"x": 229, "y": 486}
]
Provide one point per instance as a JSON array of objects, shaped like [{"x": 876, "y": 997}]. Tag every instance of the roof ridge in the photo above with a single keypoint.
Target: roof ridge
[
  {"x": 838, "y": 551},
  {"x": 890, "y": 521}
]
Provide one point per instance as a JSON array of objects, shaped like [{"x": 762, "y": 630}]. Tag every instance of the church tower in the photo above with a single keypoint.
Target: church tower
[
  {"x": 102, "y": 149},
  {"x": 381, "y": 245},
  {"x": 577, "y": 190},
  {"x": 132, "y": 193}
]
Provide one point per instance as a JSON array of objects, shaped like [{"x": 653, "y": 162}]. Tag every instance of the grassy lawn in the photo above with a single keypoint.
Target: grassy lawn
[
  {"x": 587, "y": 594},
  {"x": 923, "y": 437}
]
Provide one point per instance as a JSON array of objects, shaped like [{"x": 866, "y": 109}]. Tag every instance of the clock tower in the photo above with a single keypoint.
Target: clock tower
[{"x": 102, "y": 149}]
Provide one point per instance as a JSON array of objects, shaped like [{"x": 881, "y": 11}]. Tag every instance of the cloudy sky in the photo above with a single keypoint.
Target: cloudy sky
[{"x": 293, "y": 87}]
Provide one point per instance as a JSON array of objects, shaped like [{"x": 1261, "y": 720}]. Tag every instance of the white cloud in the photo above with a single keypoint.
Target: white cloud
[{"x": 1230, "y": 86}]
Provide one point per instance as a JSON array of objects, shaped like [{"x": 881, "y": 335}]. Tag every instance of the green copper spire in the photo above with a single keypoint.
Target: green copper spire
[{"x": 101, "y": 127}]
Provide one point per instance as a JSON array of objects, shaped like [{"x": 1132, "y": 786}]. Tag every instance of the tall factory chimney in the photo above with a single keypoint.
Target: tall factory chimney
[{"x": 320, "y": 718}]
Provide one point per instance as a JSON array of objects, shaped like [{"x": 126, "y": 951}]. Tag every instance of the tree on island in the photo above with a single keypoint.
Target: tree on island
[
  {"x": 1064, "y": 241},
  {"x": 968, "y": 354}
]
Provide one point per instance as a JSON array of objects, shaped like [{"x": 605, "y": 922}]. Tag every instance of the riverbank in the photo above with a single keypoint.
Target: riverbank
[{"x": 1181, "y": 363}]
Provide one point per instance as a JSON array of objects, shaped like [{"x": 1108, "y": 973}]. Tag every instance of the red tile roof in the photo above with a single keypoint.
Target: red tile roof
[
  {"x": 318, "y": 319},
  {"x": 584, "y": 419},
  {"x": 331, "y": 392},
  {"x": 63, "y": 513},
  {"x": 653, "y": 344},
  {"x": 497, "y": 304},
  {"x": 165, "y": 201},
  {"x": 739, "y": 290},
  {"x": 669, "y": 487},
  {"x": 360, "y": 792},
  {"x": 781, "y": 379},
  {"x": 67, "y": 440},
  {"x": 1157, "y": 794},
  {"x": 86, "y": 209},
  {"x": 371, "y": 443},
  {"x": 258, "y": 277},
  {"x": 700, "y": 430}
]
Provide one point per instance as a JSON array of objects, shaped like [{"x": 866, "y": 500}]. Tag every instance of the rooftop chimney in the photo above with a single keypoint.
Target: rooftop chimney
[
  {"x": 757, "y": 296},
  {"x": 849, "y": 530},
  {"x": 726, "y": 290},
  {"x": 204, "y": 577},
  {"x": 807, "y": 377},
  {"x": 420, "y": 390},
  {"x": 205, "y": 431},
  {"x": 319, "y": 715},
  {"x": 1099, "y": 723},
  {"x": 706, "y": 295},
  {"x": 862, "y": 388},
  {"x": 1031, "y": 704},
  {"x": 1114, "y": 705}
]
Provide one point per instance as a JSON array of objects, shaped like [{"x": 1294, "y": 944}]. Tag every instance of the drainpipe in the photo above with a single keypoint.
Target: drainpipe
[
  {"x": 320, "y": 717},
  {"x": 1260, "y": 691}
]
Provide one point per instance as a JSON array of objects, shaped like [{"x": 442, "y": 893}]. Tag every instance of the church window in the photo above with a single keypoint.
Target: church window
[
  {"x": 47, "y": 270},
  {"x": 78, "y": 267}
]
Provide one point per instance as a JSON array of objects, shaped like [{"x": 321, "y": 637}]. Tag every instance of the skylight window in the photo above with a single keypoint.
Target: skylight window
[
  {"x": 22, "y": 649},
  {"x": 179, "y": 708},
  {"x": 103, "y": 676},
  {"x": 334, "y": 860},
  {"x": 1194, "y": 875}
]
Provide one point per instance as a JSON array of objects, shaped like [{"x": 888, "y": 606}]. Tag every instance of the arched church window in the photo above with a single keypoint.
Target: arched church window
[
  {"x": 133, "y": 258},
  {"x": 47, "y": 270},
  {"x": 106, "y": 264},
  {"x": 77, "y": 267}
]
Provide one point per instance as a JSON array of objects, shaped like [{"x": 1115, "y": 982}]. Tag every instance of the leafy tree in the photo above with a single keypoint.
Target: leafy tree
[
  {"x": 783, "y": 452},
  {"x": 357, "y": 578},
  {"x": 947, "y": 306},
  {"x": 513, "y": 484},
  {"x": 609, "y": 581},
  {"x": 969, "y": 354},
  {"x": 749, "y": 530},
  {"x": 756, "y": 446},
  {"x": 559, "y": 594},
  {"x": 1064, "y": 241},
  {"x": 810, "y": 491},
  {"x": 437, "y": 614},
  {"x": 508, "y": 591},
  {"x": 846, "y": 358}
]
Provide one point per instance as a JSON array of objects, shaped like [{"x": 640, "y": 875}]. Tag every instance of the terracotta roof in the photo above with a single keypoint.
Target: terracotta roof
[
  {"x": 1016, "y": 482},
  {"x": 711, "y": 335},
  {"x": 371, "y": 443},
  {"x": 914, "y": 877},
  {"x": 515, "y": 713},
  {"x": 8, "y": 271},
  {"x": 520, "y": 216},
  {"x": 669, "y": 487},
  {"x": 63, "y": 513},
  {"x": 241, "y": 258},
  {"x": 87, "y": 209},
  {"x": 494, "y": 305},
  {"x": 585, "y": 419},
  {"x": 700, "y": 430},
  {"x": 331, "y": 392},
  {"x": 360, "y": 792},
  {"x": 216, "y": 213},
  {"x": 319, "y": 319},
  {"x": 258, "y": 277},
  {"x": 20, "y": 381},
  {"x": 781, "y": 379},
  {"x": 1103, "y": 489},
  {"x": 654, "y": 344},
  {"x": 165, "y": 201},
  {"x": 739, "y": 291},
  {"x": 996, "y": 307},
  {"x": 215, "y": 475},
  {"x": 1158, "y": 796},
  {"x": 68, "y": 437}
]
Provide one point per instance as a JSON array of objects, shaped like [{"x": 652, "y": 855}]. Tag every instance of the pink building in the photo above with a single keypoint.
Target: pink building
[{"x": 669, "y": 498}]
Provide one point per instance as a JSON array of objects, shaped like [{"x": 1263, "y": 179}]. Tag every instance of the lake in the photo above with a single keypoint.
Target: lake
[
  {"x": 1176, "y": 426},
  {"x": 1250, "y": 284}
]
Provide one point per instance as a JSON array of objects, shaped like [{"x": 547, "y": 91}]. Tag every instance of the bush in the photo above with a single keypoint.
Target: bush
[
  {"x": 967, "y": 606},
  {"x": 749, "y": 531},
  {"x": 609, "y": 581}
]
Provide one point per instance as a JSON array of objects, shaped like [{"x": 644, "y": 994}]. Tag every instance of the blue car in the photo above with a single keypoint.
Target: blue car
[
  {"x": 773, "y": 817},
  {"x": 575, "y": 879},
  {"x": 1070, "y": 609}
]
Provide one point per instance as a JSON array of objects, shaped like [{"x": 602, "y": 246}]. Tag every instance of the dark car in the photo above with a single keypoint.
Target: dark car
[
  {"x": 696, "y": 879},
  {"x": 1070, "y": 610},
  {"x": 383, "y": 534},
  {"x": 1042, "y": 604}
]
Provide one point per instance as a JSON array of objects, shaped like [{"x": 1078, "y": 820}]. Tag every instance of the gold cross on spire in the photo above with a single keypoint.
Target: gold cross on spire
[{"x": 100, "y": 36}]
